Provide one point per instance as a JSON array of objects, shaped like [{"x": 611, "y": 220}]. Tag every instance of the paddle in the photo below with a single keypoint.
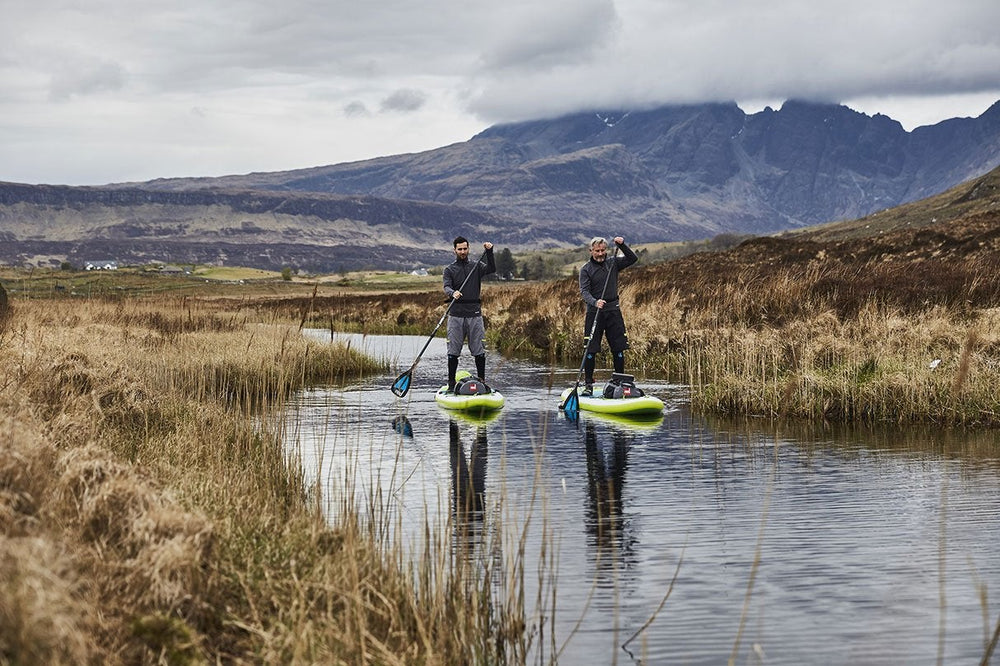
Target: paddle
[
  {"x": 571, "y": 405},
  {"x": 401, "y": 386},
  {"x": 402, "y": 425}
]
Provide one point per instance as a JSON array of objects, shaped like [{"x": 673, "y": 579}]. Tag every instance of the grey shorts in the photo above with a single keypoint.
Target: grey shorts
[{"x": 461, "y": 329}]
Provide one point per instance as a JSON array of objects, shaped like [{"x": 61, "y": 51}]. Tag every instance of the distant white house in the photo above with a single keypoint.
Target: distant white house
[
  {"x": 107, "y": 265},
  {"x": 419, "y": 271}
]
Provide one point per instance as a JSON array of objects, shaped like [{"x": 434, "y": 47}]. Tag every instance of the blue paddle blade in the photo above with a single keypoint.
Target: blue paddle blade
[
  {"x": 401, "y": 385},
  {"x": 572, "y": 405}
]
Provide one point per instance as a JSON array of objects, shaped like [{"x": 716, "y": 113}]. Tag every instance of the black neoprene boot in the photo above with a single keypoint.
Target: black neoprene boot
[
  {"x": 481, "y": 367},
  {"x": 589, "y": 364},
  {"x": 619, "y": 361},
  {"x": 452, "y": 369}
]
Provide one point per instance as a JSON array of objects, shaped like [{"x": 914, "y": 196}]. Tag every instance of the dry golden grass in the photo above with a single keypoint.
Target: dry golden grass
[
  {"x": 840, "y": 330},
  {"x": 150, "y": 513}
]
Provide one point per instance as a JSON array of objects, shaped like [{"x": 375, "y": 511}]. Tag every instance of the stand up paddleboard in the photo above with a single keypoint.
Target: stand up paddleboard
[
  {"x": 623, "y": 399},
  {"x": 470, "y": 396},
  {"x": 646, "y": 405}
]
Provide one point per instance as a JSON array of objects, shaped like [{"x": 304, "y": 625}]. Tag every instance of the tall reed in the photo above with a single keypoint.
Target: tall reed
[{"x": 151, "y": 512}]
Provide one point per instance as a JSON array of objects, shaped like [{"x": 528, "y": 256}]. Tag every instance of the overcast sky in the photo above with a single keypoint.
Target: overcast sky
[{"x": 100, "y": 91}]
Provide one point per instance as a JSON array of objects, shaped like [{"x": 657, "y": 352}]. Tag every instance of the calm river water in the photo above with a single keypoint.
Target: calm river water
[{"x": 785, "y": 545}]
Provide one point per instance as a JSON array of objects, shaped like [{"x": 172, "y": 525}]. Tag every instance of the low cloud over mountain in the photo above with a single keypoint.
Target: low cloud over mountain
[{"x": 672, "y": 173}]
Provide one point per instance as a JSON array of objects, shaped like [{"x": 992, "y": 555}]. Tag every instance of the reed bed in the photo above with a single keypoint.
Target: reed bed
[
  {"x": 790, "y": 331},
  {"x": 151, "y": 514},
  {"x": 901, "y": 330}
]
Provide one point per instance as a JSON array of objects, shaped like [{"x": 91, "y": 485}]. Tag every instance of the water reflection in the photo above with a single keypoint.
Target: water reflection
[
  {"x": 972, "y": 449},
  {"x": 402, "y": 425},
  {"x": 878, "y": 547},
  {"x": 605, "y": 518},
  {"x": 468, "y": 484}
]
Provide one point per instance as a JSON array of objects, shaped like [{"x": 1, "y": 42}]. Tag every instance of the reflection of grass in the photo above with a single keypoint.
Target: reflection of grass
[{"x": 151, "y": 513}]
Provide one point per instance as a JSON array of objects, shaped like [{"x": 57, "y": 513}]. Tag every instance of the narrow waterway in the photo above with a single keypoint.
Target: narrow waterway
[{"x": 771, "y": 545}]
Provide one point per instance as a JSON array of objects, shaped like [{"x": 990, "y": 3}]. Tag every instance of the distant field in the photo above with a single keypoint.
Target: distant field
[
  {"x": 227, "y": 281},
  {"x": 235, "y": 273},
  {"x": 378, "y": 281},
  {"x": 243, "y": 281}
]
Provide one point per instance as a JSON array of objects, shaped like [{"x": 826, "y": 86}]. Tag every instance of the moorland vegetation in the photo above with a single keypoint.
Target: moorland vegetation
[
  {"x": 894, "y": 317},
  {"x": 150, "y": 514}
]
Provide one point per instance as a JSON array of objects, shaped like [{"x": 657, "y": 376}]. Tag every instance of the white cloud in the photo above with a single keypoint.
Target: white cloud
[{"x": 107, "y": 90}]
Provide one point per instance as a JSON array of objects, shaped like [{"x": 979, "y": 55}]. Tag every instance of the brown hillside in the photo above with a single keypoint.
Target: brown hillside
[
  {"x": 954, "y": 207},
  {"x": 940, "y": 250}
]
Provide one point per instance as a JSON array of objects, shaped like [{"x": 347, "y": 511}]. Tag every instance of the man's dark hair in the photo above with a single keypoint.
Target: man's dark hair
[{"x": 459, "y": 239}]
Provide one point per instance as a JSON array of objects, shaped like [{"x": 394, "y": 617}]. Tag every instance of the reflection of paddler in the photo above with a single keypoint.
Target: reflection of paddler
[
  {"x": 605, "y": 479},
  {"x": 468, "y": 478}
]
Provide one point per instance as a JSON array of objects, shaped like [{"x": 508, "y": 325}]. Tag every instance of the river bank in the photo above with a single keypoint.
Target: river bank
[
  {"x": 150, "y": 513},
  {"x": 905, "y": 330}
]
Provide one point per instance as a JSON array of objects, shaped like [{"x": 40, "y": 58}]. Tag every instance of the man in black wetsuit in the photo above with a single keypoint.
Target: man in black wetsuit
[{"x": 602, "y": 302}]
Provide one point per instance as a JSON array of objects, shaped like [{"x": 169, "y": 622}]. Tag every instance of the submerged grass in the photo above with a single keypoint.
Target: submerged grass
[{"x": 151, "y": 514}]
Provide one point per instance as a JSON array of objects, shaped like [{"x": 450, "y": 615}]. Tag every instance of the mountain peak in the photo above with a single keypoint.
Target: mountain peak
[{"x": 669, "y": 173}]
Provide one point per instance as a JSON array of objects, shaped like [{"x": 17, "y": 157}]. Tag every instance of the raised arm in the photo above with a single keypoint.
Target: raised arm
[
  {"x": 628, "y": 256},
  {"x": 491, "y": 264}
]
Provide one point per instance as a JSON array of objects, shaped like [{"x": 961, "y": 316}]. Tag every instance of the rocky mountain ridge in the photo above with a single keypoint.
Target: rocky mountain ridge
[{"x": 672, "y": 173}]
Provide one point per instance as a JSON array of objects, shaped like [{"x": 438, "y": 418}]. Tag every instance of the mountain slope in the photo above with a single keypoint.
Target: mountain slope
[
  {"x": 263, "y": 229},
  {"x": 666, "y": 174},
  {"x": 925, "y": 252},
  {"x": 953, "y": 209},
  {"x": 671, "y": 173}
]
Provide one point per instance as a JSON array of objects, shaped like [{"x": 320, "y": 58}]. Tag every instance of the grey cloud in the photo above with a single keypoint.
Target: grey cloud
[
  {"x": 308, "y": 38},
  {"x": 404, "y": 100},
  {"x": 549, "y": 34},
  {"x": 667, "y": 51},
  {"x": 86, "y": 79},
  {"x": 356, "y": 109}
]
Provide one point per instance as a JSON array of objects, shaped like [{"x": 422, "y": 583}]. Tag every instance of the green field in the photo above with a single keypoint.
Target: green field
[{"x": 228, "y": 281}]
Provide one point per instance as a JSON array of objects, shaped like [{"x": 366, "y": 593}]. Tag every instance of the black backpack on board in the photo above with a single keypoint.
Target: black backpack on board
[
  {"x": 471, "y": 386},
  {"x": 622, "y": 386}
]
